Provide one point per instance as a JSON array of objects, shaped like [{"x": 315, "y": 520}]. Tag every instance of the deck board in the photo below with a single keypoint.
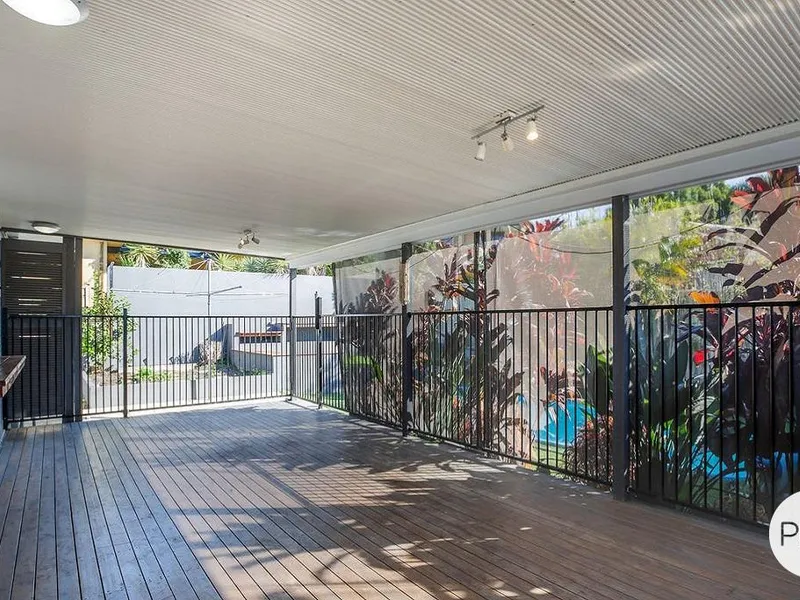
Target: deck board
[{"x": 275, "y": 500}]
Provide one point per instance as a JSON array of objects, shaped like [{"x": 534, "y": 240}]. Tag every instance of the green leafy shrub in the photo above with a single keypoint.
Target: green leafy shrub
[{"x": 102, "y": 327}]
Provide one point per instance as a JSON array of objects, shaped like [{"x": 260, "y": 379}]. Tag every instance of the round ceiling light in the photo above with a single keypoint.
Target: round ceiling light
[
  {"x": 46, "y": 227},
  {"x": 51, "y": 12}
]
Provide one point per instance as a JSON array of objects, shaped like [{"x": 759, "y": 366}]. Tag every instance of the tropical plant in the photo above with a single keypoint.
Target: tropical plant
[
  {"x": 221, "y": 261},
  {"x": 590, "y": 454},
  {"x": 142, "y": 255},
  {"x": 768, "y": 241},
  {"x": 138, "y": 255},
  {"x": 255, "y": 264},
  {"x": 721, "y": 429},
  {"x": 661, "y": 281},
  {"x": 538, "y": 275},
  {"x": 172, "y": 258},
  {"x": 369, "y": 361}
]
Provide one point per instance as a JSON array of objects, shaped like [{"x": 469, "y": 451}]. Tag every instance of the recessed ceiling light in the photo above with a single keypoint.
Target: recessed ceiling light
[
  {"x": 51, "y": 12},
  {"x": 46, "y": 227}
]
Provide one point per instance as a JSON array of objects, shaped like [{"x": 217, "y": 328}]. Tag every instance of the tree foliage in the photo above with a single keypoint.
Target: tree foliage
[
  {"x": 102, "y": 327},
  {"x": 256, "y": 264}
]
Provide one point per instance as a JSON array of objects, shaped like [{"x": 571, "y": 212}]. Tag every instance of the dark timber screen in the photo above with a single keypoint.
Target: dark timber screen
[{"x": 33, "y": 285}]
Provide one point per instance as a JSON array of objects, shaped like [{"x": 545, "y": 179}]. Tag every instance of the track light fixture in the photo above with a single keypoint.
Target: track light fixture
[
  {"x": 247, "y": 237},
  {"x": 533, "y": 131},
  {"x": 481, "y": 153},
  {"x": 506, "y": 142},
  {"x": 502, "y": 121}
]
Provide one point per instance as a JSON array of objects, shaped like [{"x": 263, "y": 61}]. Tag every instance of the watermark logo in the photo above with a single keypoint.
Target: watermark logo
[{"x": 784, "y": 534}]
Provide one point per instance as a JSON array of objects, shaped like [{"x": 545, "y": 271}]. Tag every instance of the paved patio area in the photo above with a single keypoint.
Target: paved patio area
[{"x": 276, "y": 500}]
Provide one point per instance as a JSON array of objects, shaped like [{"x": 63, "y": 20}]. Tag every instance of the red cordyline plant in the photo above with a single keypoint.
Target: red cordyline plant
[
  {"x": 769, "y": 240},
  {"x": 756, "y": 350},
  {"x": 544, "y": 276},
  {"x": 461, "y": 281}
]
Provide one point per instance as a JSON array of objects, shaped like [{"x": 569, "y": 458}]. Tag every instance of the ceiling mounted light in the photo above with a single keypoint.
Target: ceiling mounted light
[
  {"x": 51, "y": 12},
  {"x": 481, "y": 153},
  {"x": 533, "y": 131},
  {"x": 503, "y": 121},
  {"x": 507, "y": 142},
  {"x": 247, "y": 236},
  {"x": 46, "y": 227}
]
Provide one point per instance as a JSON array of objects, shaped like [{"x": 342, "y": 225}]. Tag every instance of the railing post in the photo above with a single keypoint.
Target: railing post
[
  {"x": 620, "y": 207},
  {"x": 407, "y": 352},
  {"x": 318, "y": 331},
  {"x": 125, "y": 362},
  {"x": 292, "y": 337},
  {"x": 4, "y": 351}
]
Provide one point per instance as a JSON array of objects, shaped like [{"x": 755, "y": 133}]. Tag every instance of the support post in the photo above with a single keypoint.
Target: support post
[
  {"x": 292, "y": 337},
  {"x": 125, "y": 362},
  {"x": 407, "y": 352},
  {"x": 620, "y": 207},
  {"x": 72, "y": 255},
  {"x": 318, "y": 331}
]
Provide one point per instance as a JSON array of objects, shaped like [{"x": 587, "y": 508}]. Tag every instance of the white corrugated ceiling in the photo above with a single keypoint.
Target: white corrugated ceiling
[{"x": 320, "y": 121}]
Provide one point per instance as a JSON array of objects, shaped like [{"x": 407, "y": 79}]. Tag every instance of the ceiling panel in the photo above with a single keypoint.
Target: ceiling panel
[{"x": 321, "y": 121}]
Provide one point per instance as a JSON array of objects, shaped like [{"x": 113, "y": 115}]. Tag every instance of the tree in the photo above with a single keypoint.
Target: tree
[{"x": 255, "y": 264}]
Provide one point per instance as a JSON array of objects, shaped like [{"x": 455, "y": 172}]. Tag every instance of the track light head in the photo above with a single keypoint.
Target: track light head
[
  {"x": 507, "y": 142},
  {"x": 248, "y": 236},
  {"x": 481, "y": 153},
  {"x": 533, "y": 131}
]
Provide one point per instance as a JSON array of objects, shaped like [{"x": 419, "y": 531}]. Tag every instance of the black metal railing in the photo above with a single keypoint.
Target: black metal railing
[
  {"x": 713, "y": 415},
  {"x": 531, "y": 385},
  {"x": 714, "y": 410},
  {"x": 91, "y": 365},
  {"x": 371, "y": 366},
  {"x": 317, "y": 374}
]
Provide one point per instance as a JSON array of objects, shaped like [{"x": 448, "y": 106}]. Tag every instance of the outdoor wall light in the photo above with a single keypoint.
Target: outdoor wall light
[
  {"x": 51, "y": 12},
  {"x": 46, "y": 227},
  {"x": 503, "y": 120}
]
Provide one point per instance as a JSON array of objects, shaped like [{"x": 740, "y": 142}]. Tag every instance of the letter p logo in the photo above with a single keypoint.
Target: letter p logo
[
  {"x": 789, "y": 529},
  {"x": 784, "y": 534}
]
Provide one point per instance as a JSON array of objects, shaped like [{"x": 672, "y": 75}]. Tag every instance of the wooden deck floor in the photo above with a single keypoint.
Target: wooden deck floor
[{"x": 274, "y": 501}]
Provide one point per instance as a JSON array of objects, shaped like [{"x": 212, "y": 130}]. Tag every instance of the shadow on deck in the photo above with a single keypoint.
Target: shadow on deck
[{"x": 280, "y": 501}]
